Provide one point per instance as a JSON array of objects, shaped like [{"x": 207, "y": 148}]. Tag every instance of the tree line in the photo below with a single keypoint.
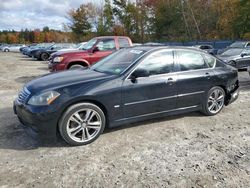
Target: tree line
[
  {"x": 34, "y": 36},
  {"x": 154, "y": 20}
]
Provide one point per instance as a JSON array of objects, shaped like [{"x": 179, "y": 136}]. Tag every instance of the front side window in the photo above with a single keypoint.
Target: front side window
[
  {"x": 189, "y": 60},
  {"x": 157, "y": 63},
  {"x": 89, "y": 44},
  {"x": 106, "y": 45}
]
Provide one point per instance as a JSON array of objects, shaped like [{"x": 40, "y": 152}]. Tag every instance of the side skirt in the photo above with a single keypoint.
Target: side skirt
[{"x": 155, "y": 115}]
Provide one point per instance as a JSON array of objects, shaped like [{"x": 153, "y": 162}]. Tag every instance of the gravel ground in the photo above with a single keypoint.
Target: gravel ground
[{"x": 188, "y": 150}]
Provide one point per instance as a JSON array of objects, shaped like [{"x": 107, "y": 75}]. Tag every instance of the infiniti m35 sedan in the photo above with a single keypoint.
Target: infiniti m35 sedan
[{"x": 130, "y": 85}]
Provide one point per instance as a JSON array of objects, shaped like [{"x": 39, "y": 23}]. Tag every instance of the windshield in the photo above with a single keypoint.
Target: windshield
[
  {"x": 117, "y": 62},
  {"x": 89, "y": 44},
  {"x": 238, "y": 45},
  {"x": 232, "y": 52}
]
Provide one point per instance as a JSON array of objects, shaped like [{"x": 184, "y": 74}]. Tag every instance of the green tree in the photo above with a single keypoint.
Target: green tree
[{"x": 79, "y": 21}]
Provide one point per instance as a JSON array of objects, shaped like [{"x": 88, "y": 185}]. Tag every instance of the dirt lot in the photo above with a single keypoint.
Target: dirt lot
[{"x": 188, "y": 150}]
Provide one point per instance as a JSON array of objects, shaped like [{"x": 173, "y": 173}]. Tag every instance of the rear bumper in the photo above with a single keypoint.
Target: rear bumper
[{"x": 233, "y": 96}]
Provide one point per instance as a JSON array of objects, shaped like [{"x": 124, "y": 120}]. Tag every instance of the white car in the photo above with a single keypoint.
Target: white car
[
  {"x": 76, "y": 47},
  {"x": 12, "y": 48}
]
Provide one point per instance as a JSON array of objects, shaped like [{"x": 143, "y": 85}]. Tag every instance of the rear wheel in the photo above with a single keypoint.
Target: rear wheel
[
  {"x": 82, "y": 123},
  {"x": 6, "y": 50},
  {"x": 214, "y": 101},
  {"x": 44, "y": 56}
]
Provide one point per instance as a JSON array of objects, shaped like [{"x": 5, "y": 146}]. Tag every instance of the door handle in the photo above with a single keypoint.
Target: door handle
[
  {"x": 207, "y": 74},
  {"x": 170, "y": 80}
]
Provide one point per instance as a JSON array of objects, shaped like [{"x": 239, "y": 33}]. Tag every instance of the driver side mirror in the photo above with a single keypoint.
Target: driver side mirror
[
  {"x": 96, "y": 49},
  {"x": 243, "y": 54},
  {"x": 52, "y": 48},
  {"x": 138, "y": 73}
]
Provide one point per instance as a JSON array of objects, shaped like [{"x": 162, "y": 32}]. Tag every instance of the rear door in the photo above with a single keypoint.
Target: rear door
[{"x": 194, "y": 78}]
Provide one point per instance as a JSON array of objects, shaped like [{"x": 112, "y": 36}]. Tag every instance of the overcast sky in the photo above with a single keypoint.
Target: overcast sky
[{"x": 32, "y": 14}]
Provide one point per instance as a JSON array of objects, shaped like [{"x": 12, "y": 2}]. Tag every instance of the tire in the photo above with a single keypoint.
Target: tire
[
  {"x": 44, "y": 56},
  {"x": 81, "y": 124},
  {"x": 6, "y": 50},
  {"x": 214, "y": 101},
  {"x": 76, "y": 66}
]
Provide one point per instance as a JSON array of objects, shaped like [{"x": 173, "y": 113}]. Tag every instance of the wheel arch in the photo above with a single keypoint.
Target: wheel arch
[
  {"x": 93, "y": 101},
  {"x": 78, "y": 62}
]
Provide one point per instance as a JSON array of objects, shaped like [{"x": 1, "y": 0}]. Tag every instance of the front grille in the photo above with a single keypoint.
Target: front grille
[{"x": 23, "y": 96}]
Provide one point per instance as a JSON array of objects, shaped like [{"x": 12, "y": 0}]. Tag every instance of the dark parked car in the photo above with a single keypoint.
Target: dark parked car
[
  {"x": 237, "y": 57},
  {"x": 237, "y": 44},
  {"x": 34, "y": 51},
  {"x": 44, "y": 53},
  {"x": 207, "y": 48},
  {"x": 132, "y": 84}
]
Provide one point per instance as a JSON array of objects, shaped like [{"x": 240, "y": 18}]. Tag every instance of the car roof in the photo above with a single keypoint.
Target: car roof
[
  {"x": 111, "y": 37},
  {"x": 154, "y": 47}
]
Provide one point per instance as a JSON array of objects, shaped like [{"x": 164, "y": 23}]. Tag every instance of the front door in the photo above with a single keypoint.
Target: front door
[
  {"x": 154, "y": 90},
  {"x": 103, "y": 48}
]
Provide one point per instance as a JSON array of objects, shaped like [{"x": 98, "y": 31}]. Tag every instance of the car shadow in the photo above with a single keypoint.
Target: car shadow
[
  {"x": 14, "y": 136},
  {"x": 28, "y": 59}
]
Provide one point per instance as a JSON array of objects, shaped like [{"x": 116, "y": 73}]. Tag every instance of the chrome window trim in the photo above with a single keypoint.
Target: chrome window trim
[{"x": 175, "y": 62}]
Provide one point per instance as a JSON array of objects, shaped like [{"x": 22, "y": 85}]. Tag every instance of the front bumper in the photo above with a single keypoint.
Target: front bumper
[{"x": 36, "y": 118}]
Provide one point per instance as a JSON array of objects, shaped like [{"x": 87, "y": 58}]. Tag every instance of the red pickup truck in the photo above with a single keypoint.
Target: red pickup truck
[{"x": 94, "y": 50}]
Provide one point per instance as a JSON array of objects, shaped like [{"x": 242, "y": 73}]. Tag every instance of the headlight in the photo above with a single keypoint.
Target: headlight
[
  {"x": 44, "y": 99},
  {"x": 58, "y": 59}
]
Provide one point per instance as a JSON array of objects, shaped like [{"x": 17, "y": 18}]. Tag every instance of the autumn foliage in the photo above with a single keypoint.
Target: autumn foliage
[{"x": 148, "y": 20}]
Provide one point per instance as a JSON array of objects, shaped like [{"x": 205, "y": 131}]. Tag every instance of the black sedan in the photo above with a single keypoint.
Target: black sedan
[
  {"x": 237, "y": 57},
  {"x": 130, "y": 85}
]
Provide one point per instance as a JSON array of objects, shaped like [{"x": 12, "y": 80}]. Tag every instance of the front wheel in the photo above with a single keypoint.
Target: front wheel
[
  {"x": 44, "y": 56},
  {"x": 214, "y": 101},
  {"x": 81, "y": 124}
]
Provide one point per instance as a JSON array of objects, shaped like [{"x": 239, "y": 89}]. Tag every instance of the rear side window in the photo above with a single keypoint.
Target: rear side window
[
  {"x": 123, "y": 42},
  {"x": 209, "y": 60},
  {"x": 189, "y": 60}
]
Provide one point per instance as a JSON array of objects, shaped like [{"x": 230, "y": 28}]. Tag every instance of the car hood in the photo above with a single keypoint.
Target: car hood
[
  {"x": 64, "y": 79},
  {"x": 228, "y": 58},
  {"x": 69, "y": 53}
]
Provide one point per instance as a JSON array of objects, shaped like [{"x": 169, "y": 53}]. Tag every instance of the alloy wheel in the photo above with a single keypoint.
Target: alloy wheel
[
  {"x": 216, "y": 101},
  {"x": 84, "y": 125}
]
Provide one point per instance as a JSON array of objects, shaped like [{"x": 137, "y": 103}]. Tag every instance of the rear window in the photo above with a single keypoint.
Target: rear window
[
  {"x": 123, "y": 42},
  {"x": 210, "y": 60}
]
